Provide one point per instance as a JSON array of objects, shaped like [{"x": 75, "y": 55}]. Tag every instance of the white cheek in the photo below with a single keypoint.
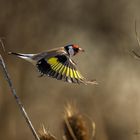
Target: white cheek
[{"x": 71, "y": 51}]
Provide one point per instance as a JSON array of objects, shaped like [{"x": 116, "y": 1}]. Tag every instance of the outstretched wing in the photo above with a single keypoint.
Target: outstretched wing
[{"x": 63, "y": 68}]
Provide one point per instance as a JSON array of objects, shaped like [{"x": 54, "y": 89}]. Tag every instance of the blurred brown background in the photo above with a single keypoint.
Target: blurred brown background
[{"x": 105, "y": 29}]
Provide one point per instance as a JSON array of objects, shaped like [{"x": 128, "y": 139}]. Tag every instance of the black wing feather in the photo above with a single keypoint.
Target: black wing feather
[{"x": 61, "y": 67}]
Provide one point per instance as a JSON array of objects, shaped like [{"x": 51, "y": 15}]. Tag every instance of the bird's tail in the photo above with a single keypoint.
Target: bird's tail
[{"x": 27, "y": 57}]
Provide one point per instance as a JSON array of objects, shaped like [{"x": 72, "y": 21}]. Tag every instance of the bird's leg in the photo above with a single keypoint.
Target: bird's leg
[{"x": 41, "y": 74}]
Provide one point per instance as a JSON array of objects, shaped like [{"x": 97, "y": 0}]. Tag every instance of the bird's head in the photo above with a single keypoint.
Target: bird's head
[{"x": 73, "y": 49}]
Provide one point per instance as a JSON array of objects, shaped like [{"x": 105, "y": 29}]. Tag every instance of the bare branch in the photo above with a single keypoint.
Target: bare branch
[
  {"x": 2, "y": 44},
  {"x": 13, "y": 91},
  {"x": 136, "y": 33},
  {"x": 136, "y": 55}
]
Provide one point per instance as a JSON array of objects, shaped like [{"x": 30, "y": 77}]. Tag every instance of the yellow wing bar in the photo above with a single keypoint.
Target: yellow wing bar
[
  {"x": 64, "y": 70},
  {"x": 52, "y": 61}
]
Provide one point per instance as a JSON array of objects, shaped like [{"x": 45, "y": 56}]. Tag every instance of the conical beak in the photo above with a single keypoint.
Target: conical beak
[{"x": 81, "y": 50}]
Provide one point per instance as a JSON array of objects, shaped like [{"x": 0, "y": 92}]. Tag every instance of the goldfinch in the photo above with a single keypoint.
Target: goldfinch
[{"x": 57, "y": 63}]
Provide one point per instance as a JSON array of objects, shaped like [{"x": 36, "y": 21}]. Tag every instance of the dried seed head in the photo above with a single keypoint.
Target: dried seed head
[
  {"x": 45, "y": 135},
  {"x": 75, "y": 126},
  {"x": 70, "y": 110}
]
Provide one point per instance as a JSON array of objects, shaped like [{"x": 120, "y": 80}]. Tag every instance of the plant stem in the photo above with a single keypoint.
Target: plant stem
[{"x": 20, "y": 105}]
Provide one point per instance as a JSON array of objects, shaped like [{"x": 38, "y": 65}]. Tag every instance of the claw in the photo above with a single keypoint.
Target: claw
[{"x": 41, "y": 75}]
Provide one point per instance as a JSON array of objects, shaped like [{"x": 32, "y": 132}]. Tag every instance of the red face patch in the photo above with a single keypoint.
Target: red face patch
[{"x": 75, "y": 46}]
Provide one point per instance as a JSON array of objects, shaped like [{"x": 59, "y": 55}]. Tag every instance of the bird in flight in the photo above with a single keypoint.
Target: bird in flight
[{"x": 57, "y": 63}]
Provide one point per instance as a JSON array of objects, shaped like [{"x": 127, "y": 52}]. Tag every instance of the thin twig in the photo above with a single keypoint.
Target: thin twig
[
  {"x": 136, "y": 33},
  {"x": 2, "y": 44},
  {"x": 138, "y": 40},
  {"x": 136, "y": 55},
  {"x": 20, "y": 105}
]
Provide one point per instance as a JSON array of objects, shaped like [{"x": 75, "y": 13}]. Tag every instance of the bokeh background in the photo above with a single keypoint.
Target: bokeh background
[{"x": 105, "y": 29}]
